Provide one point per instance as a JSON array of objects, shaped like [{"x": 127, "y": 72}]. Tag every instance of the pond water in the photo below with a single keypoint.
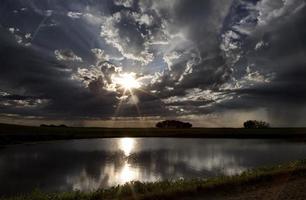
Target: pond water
[{"x": 90, "y": 164}]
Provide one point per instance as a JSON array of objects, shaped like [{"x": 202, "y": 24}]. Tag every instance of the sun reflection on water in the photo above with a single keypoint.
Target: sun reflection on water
[
  {"x": 127, "y": 173},
  {"x": 127, "y": 145}
]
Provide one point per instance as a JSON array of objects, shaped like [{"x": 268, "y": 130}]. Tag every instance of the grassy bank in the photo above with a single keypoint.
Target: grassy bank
[
  {"x": 182, "y": 189},
  {"x": 10, "y": 134}
]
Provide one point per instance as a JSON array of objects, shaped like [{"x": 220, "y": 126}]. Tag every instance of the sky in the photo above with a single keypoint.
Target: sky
[{"x": 215, "y": 63}]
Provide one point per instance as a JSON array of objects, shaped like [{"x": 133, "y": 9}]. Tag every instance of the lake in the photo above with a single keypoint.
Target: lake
[{"x": 90, "y": 164}]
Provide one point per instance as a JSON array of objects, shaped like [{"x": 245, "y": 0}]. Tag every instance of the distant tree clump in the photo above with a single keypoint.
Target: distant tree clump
[
  {"x": 173, "y": 124},
  {"x": 52, "y": 125},
  {"x": 256, "y": 124}
]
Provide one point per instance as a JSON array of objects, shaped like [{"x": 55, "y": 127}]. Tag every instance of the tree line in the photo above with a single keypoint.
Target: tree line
[{"x": 250, "y": 124}]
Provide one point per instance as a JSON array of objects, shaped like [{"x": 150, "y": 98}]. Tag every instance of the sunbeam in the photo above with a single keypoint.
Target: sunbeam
[
  {"x": 40, "y": 25},
  {"x": 128, "y": 82}
]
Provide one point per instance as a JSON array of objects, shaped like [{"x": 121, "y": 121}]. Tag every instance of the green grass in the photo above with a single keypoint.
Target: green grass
[
  {"x": 10, "y": 134},
  {"x": 177, "y": 188}
]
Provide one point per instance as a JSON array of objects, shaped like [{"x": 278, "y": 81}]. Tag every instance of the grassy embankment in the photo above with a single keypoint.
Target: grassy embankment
[
  {"x": 10, "y": 134},
  {"x": 181, "y": 189}
]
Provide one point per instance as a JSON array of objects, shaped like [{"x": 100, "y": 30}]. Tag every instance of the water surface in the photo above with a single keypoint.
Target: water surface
[{"x": 89, "y": 164}]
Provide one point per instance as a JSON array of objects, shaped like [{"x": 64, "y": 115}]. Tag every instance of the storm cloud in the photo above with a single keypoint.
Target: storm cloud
[{"x": 192, "y": 60}]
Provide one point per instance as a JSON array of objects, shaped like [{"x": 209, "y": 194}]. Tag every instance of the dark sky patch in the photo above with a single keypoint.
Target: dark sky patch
[{"x": 64, "y": 59}]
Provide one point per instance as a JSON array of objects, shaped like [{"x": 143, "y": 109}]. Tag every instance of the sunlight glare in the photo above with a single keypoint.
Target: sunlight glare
[
  {"x": 127, "y": 81},
  {"x": 127, "y": 174},
  {"x": 127, "y": 145}
]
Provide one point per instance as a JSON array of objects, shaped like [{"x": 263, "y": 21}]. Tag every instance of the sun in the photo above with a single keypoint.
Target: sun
[{"x": 127, "y": 81}]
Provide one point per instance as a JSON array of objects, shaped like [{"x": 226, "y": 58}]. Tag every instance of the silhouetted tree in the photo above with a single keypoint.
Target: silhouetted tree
[
  {"x": 173, "y": 124},
  {"x": 52, "y": 125},
  {"x": 63, "y": 126},
  {"x": 256, "y": 124}
]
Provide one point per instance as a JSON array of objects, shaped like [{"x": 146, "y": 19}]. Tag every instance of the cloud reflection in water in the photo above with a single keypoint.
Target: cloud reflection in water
[{"x": 91, "y": 164}]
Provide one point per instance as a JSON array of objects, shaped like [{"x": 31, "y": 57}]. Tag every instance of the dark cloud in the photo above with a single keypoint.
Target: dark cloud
[
  {"x": 26, "y": 72},
  {"x": 200, "y": 63},
  {"x": 283, "y": 55},
  {"x": 199, "y": 58}
]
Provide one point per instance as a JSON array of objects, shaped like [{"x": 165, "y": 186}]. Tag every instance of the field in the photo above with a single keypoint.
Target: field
[
  {"x": 11, "y": 134},
  {"x": 278, "y": 182}
]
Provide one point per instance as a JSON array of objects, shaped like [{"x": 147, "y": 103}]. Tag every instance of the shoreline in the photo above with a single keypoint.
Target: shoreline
[
  {"x": 16, "y": 134},
  {"x": 224, "y": 187}
]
